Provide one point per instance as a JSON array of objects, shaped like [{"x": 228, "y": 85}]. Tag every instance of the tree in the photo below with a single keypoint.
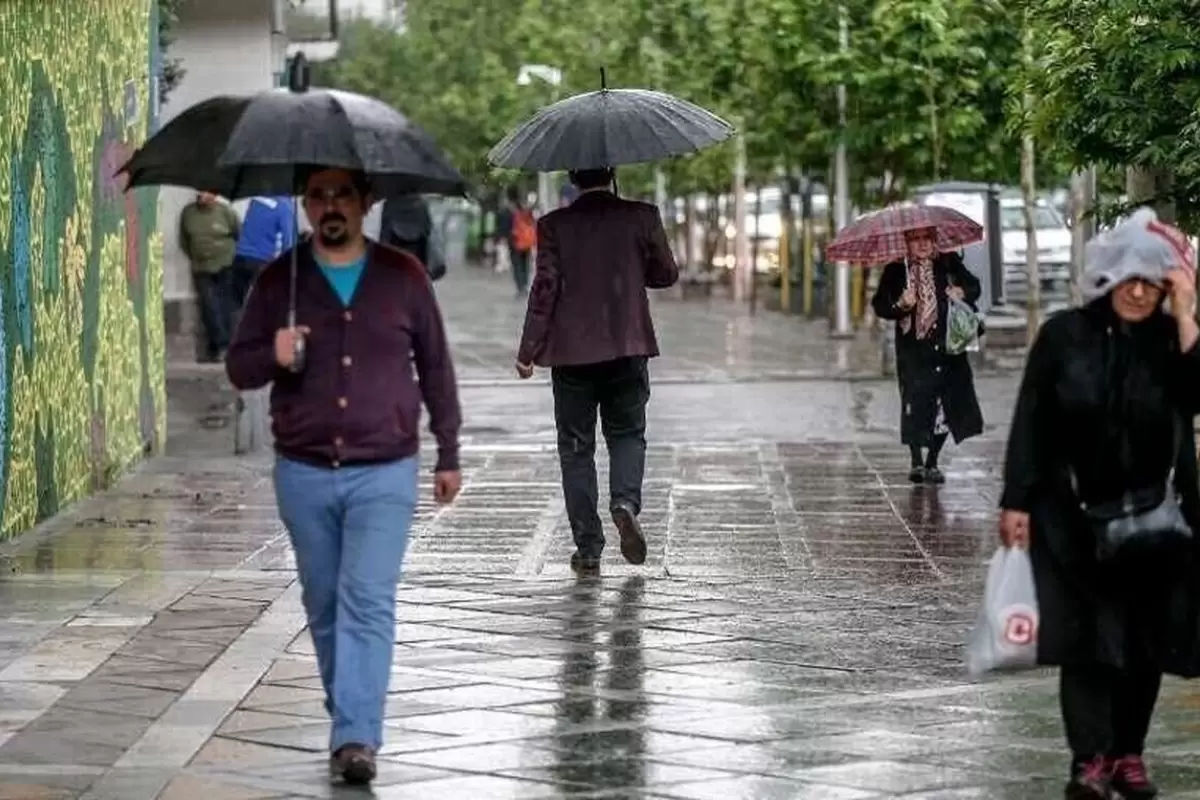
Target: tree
[
  {"x": 171, "y": 69},
  {"x": 1120, "y": 87}
]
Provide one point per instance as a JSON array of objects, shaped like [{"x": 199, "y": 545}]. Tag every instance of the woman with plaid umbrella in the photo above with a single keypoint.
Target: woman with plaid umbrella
[{"x": 937, "y": 389}]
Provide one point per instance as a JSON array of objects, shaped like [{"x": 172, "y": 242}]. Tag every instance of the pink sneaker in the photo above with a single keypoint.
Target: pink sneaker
[
  {"x": 1129, "y": 777},
  {"x": 1092, "y": 781}
]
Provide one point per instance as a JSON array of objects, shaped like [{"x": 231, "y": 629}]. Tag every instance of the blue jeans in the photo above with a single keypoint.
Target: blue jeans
[{"x": 349, "y": 528}]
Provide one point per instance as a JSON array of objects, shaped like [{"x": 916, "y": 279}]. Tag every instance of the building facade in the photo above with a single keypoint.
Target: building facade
[
  {"x": 81, "y": 342},
  {"x": 225, "y": 47}
]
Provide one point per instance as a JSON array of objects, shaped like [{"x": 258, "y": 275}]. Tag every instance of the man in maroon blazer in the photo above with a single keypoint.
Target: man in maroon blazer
[
  {"x": 346, "y": 429},
  {"x": 588, "y": 320}
]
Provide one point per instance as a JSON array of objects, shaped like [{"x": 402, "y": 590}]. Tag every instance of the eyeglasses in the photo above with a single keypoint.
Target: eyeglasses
[{"x": 330, "y": 194}]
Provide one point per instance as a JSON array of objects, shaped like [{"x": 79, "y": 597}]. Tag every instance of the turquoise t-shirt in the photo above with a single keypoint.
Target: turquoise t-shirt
[{"x": 343, "y": 277}]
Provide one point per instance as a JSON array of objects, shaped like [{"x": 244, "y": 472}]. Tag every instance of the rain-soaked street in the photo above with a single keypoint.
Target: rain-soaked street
[{"x": 796, "y": 632}]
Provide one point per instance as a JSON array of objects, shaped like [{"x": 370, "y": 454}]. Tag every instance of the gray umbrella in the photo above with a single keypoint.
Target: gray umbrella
[
  {"x": 249, "y": 146},
  {"x": 608, "y": 128}
]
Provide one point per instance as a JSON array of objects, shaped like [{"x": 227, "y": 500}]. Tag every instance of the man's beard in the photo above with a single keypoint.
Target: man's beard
[{"x": 333, "y": 231}]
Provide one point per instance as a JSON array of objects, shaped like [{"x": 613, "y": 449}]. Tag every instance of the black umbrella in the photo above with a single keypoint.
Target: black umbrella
[
  {"x": 248, "y": 146},
  {"x": 608, "y": 128}
]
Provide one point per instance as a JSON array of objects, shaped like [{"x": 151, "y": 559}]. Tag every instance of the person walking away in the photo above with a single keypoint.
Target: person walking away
[
  {"x": 1102, "y": 432},
  {"x": 521, "y": 241},
  {"x": 567, "y": 194},
  {"x": 268, "y": 229},
  {"x": 937, "y": 390},
  {"x": 346, "y": 432},
  {"x": 502, "y": 232},
  {"x": 406, "y": 224},
  {"x": 208, "y": 234},
  {"x": 588, "y": 320}
]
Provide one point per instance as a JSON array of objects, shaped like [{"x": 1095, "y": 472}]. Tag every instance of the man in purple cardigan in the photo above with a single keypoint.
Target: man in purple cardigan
[{"x": 346, "y": 430}]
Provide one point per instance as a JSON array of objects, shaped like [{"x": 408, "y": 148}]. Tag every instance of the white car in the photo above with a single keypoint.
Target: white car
[{"x": 1053, "y": 235}]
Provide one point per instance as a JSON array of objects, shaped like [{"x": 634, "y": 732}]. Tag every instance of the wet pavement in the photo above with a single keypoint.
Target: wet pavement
[{"x": 796, "y": 632}]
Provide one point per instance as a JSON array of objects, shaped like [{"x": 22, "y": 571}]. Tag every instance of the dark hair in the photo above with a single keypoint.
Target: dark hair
[
  {"x": 592, "y": 178},
  {"x": 514, "y": 195},
  {"x": 358, "y": 178}
]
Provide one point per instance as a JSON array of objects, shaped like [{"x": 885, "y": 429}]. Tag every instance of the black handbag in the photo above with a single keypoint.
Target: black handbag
[{"x": 1142, "y": 520}]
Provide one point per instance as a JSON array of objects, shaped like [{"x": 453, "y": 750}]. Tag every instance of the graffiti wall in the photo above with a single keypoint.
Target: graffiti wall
[{"x": 81, "y": 334}]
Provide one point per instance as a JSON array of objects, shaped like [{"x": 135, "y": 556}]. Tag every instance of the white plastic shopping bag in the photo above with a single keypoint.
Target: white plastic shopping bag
[{"x": 1005, "y": 635}]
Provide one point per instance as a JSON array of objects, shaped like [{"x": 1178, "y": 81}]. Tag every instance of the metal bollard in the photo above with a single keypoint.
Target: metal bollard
[{"x": 251, "y": 428}]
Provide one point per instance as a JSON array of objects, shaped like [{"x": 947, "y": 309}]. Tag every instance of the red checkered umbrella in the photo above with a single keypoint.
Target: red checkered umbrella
[{"x": 879, "y": 238}]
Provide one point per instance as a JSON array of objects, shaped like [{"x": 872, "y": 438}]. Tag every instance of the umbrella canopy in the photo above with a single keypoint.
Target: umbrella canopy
[
  {"x": 248, "y": 146},
  {"x": 879, "y": 238},
  {"x": 608, "y": 128}
]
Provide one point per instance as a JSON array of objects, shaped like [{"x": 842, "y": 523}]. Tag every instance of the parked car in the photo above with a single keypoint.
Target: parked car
[{"x": 1053, "y": 249}]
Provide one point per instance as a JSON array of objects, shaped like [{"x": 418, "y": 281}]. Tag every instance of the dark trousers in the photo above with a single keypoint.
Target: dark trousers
[
  {"x": 212, "y": 293},
  {"x": 1106, "y": 712},
  {"x": 244, "y": 271},
  {"x": 619, "y": 390},
  {"x": 520, "y": 268}
]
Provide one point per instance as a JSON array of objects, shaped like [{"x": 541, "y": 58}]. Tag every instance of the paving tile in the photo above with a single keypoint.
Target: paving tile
[{"x": 796, "y": 631}]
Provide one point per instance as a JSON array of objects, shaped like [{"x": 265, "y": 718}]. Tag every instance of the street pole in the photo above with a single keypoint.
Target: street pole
[
  {"x": 841, "y": 207},
  {"x": 660, "y": 194},
  {"x": 551, "y": 76}
]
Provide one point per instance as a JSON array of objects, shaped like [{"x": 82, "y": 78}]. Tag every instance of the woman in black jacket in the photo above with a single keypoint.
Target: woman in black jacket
[
  {"x": 1103, "y": 431},
  {"x": 937, "y": 390}
]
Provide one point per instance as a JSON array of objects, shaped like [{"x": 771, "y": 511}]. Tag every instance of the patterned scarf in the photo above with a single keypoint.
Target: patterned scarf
[{"x": 920, "y": 276}]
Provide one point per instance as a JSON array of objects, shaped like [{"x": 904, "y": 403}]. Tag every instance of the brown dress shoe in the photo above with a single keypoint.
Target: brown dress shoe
[
  {"x": 633, "y": 543},
  {"x": 356, "y": 762}
]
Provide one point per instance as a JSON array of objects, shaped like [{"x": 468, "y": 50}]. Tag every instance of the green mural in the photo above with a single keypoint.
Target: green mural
[{"x": 82, "y": 389}]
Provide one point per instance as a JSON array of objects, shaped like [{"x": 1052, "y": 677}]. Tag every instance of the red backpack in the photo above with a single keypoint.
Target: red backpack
[{"x": 524, "y": 232}]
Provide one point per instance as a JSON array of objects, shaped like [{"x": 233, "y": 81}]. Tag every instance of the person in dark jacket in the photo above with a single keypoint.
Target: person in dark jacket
[
  {"x": 588, "y": 320},
  {"x": 346, "y": 431},
  {"x": 406, "y": 224},
  {"x": 937, "y": 390},
  {"x": 1105, "y": 414}
]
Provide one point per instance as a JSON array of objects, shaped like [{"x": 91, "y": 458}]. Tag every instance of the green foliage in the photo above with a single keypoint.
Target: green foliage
[
  {"x": 1119, "y": 85},
  {"x": 172, "y": 71},
  {"x": 929, "y": 81}
]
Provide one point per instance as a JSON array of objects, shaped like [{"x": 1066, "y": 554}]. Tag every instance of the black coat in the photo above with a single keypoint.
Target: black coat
[
  {"x": 925, "y": 372},
  {"x": 1101, "y": 398},
  {"x": 406, "y": 224}
]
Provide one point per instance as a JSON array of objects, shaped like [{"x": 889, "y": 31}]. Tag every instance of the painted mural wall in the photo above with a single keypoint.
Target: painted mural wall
[{"x": 82, "y": 392}]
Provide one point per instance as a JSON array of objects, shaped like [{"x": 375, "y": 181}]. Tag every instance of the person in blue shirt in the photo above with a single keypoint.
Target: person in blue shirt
[{"x": 268, "y": 229}]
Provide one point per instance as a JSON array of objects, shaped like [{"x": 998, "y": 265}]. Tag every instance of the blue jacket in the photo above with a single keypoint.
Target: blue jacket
[{"x": 268, "y": 228}]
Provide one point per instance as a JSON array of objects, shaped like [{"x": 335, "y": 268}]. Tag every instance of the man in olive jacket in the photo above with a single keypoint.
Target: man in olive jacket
[{"x": 208, "y": 234}]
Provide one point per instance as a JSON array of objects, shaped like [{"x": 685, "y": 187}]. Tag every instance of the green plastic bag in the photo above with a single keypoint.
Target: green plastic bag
[{"x": 962, "y": 328}]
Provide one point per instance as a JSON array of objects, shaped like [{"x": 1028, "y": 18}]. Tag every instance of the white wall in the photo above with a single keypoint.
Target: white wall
[{"x": 227, "y": 47}]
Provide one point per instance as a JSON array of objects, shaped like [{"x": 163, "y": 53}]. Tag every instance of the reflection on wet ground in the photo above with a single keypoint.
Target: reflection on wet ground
[{"x": 796, "y": 633}]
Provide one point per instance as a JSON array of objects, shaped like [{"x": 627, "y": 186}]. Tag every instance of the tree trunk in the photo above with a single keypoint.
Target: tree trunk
[
  {"x": 689, "y": 233},
  {"x": 1029, "y": 195},
  {"x": 1152, "y": 186},
  {"x": 1082, "y": 204},
  {"x": 741, "y": 242}
]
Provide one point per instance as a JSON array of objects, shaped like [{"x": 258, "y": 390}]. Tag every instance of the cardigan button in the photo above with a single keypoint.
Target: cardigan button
[
  {"x": 346, "y": 315},
  {"x": 335, "y": 463},
  {"x": 338, "y": 441},
  {"x": 347, "y": 361},
  {"x": 343, "y": 402}
]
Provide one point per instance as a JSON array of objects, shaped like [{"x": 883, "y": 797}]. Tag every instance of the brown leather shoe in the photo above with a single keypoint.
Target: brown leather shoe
[
  {"x": 356, "y": 762},
  {"x": 633, "y": 543}
]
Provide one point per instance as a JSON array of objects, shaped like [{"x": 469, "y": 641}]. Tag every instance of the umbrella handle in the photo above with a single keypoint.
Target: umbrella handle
[{"x": 298, "y": 345}]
